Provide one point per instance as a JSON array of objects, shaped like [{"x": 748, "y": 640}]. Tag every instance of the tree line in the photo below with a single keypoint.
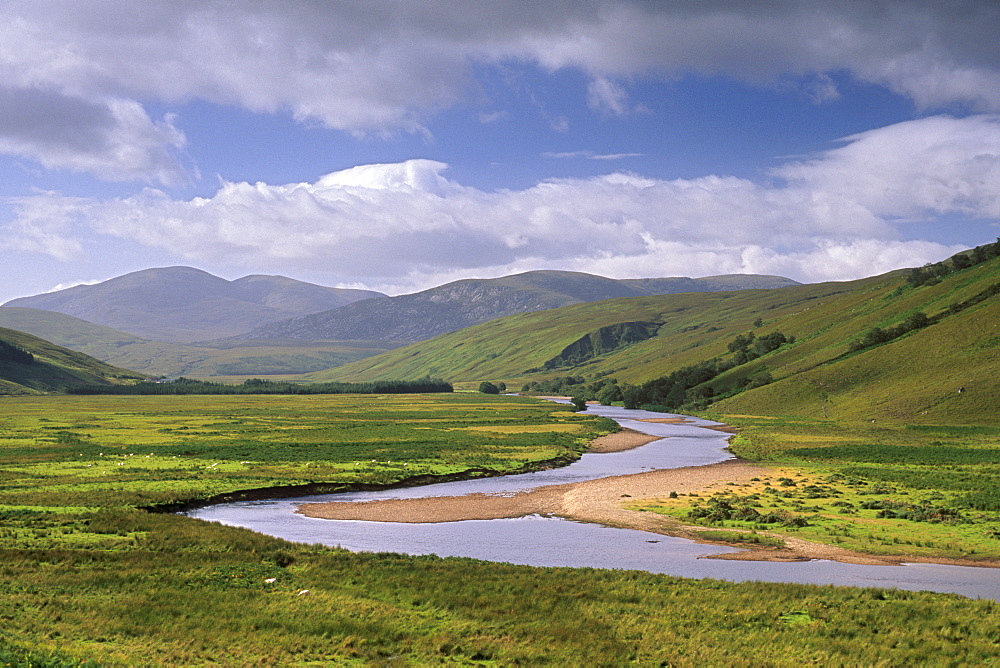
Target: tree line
[
  {"x": 931, "y": 274},
  {"x": 260, "y": 386},
  {"x": 11, "y": 353},
  {"x": 878, "y": 336}
]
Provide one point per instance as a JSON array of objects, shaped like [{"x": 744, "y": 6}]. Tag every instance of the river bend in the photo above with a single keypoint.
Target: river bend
[{"x": 546, "y": 541}]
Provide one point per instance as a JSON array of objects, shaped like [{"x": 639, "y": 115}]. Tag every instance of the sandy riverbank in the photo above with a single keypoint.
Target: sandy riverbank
[
  {"x": 626, "y": 439},
  {"x": 603, "y": 501}
]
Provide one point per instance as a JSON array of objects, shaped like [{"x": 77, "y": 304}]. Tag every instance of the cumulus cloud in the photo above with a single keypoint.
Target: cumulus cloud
[
  {"x": 836, "y": 215},
  {"x": 385, "y": 66},
  {"x": 113, "y": 138},
  {"x": 912, "y": 169}
]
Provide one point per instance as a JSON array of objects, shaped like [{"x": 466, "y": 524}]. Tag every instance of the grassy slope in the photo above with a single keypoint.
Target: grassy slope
[
  {"x": 54, "y": 367},
  {"x": 914, "y": 378},
  {"x": 509, "y": 347},
  {"x": 159, "y": 358}
]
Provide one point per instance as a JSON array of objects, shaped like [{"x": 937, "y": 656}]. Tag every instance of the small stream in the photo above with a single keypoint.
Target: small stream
[{"x": 545, "y": 541}]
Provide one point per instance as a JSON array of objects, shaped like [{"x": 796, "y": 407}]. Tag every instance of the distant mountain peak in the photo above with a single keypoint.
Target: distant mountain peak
[{"x": 184, "y": 304}]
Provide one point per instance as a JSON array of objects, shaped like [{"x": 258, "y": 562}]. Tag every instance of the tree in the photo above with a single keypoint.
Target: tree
[
  {"x": 579, "y": 403},
  {"x": 631, "y": 396},
  {"x": 609, "y": 394},
  {"x": 486, "y": 387}
]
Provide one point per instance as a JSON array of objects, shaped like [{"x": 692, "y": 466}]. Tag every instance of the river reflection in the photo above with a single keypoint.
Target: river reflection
[{"x": 542, "y": 541}]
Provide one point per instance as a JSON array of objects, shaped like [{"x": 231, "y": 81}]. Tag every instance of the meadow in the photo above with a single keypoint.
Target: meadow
[
  {"x": 892, "y": 489},
  {"x": 87, "y": 576}
]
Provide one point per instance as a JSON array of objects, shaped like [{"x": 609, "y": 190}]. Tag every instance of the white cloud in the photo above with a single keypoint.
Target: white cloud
[
  {"x": 113, "y": 139},
  {"x": 559, "y": 124},
  {"x": 913, "y": 169},
  {"x": 46, "y": 223},
  {"x": 822, "y": 89},
  {"x": 834, "y": 216},
  {"x": 615, "y": 156},
  {"x": 608, "y": 97},
  {"x": 493, "y": 117},
  {"x": 590, "y": 155},
  {"x": 385, "y": 66}
]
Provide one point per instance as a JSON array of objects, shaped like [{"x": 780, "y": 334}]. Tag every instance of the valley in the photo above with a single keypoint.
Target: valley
[{"x": 865, "y": 432}]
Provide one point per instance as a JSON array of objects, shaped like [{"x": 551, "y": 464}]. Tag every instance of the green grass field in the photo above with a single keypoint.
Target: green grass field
[
  {"x": 88, "y": 577},
  {"x": 919, "y": 490},
  {"x": 141, "y": 451}
]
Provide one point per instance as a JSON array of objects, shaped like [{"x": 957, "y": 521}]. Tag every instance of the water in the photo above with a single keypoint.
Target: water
[{"x": 544, "y": 541}]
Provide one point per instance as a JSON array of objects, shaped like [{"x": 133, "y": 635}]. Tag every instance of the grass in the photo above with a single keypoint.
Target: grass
[
  {"x": 152, "y": 450},
  {"x": 920, "y": 490},
  {"x": 86, "y": 576}
]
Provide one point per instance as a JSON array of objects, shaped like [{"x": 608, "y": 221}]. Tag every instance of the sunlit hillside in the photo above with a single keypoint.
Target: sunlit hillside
[
  {"x": 916, "y": 376},
  {"x": 30, "y": 365}
]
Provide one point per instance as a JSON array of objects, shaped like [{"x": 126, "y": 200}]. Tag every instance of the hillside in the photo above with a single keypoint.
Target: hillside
[
  {"x": 30, "y": 365},
  {"x": 157, "y": 358},
  {"x": 182, "y": 304},
  {"x": 461, "y": 304},
  {"x": 915, "y": 377}
]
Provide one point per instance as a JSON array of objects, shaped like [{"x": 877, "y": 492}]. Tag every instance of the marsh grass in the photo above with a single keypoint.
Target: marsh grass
[
  {"x": 88, "y": 578},
  {"x": 929, "y": 491},
  {"x": 195, "y": 592},
  {"x": 152, "y": 450}
]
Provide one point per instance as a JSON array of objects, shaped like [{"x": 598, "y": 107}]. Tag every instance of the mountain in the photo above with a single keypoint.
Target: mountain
[
  {"x": 855, "y": 354},
  {"x": 30, "y": 365},
  {"x": 157, "y": 358},
  {"x": 183, "y": 304},
  {"x": 461, "y": 304}
]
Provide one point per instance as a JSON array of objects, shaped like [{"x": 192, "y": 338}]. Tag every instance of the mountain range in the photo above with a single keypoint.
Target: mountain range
[
  {"x": 454, "y": 306},
  {"x": 918, "y": 345},
  {"x": 183, "y": 304},
  {"x": 159, "y": 358},
  {"x": 177, "y": 321}
]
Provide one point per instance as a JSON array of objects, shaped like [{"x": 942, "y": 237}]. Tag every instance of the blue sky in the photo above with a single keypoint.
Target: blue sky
[{"x": 397, "y": 146}]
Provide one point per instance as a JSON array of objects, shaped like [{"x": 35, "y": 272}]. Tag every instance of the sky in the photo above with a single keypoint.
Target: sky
[{"x": 396, "y": 146}]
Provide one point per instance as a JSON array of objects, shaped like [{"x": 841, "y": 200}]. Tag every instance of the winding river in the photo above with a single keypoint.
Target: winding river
[{"x": 546, "y": 541}]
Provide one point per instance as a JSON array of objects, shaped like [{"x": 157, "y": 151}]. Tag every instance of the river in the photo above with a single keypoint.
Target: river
[{"x": 545, "y": 541}]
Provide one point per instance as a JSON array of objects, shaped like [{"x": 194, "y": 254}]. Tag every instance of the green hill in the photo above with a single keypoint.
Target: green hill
[
  {"x": 30, "y": 365},
  {"x": 915, "y": 377}
]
